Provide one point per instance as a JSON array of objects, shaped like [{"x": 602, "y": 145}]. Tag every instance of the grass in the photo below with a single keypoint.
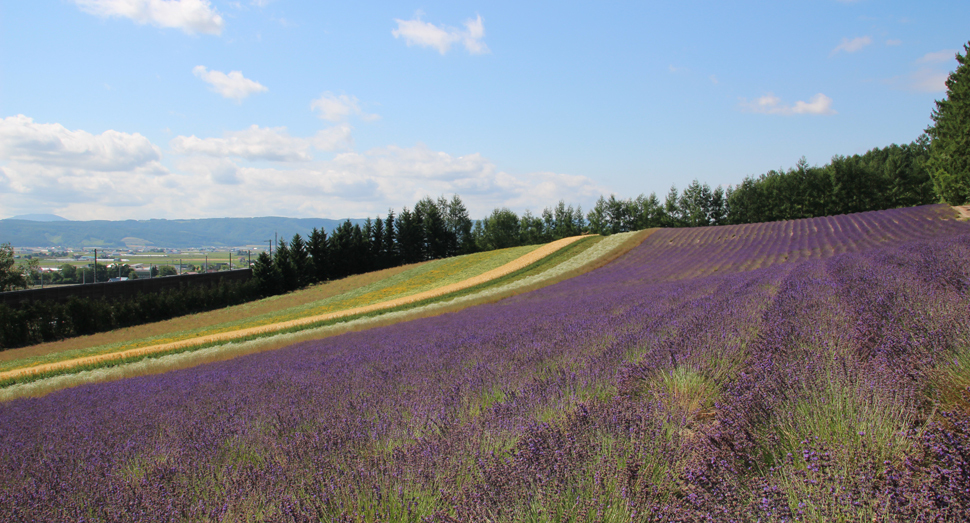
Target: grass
[
  {"x": 394, "y": 284},
  {"x": 952, "y": 380},
  {"x": 576, "y": 258}
]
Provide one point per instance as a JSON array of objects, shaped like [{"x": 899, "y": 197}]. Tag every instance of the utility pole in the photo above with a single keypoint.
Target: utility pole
[
  {"x": 95, "y": 266},
  {"x": 270, "y": 247},
  {"x": 207, "y": 264}
]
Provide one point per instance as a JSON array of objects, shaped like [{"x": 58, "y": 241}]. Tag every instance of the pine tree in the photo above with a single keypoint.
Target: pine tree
[
  {"x": 390, "y": 250},
  {"x": 302, "y": 263},
  {"x": 319, "y": 254},
  {"x": 283, "y": 260},
  {"x": 460, "y": 226},
  {"x": 949, "y": 162},
  {"x": 267, "y": 275}
]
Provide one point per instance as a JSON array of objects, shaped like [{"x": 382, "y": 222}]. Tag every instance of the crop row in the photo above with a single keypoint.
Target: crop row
[
  {"x": 799, "y": 390},
  {"x": 536, "y": 268},
  {"x": 417, "y": 279}
]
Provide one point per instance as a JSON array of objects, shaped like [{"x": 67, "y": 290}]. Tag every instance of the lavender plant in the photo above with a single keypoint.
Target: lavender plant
[{"x": 770, "y": 372}]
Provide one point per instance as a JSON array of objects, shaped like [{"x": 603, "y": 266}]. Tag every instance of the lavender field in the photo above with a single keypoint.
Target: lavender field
[{"x": 811, "y": 370}]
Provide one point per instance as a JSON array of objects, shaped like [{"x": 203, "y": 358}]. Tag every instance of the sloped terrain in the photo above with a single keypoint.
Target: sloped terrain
[{"x": 702, "y": 376}]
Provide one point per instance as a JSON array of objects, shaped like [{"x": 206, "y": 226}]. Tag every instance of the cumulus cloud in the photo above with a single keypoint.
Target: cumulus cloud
[
  {"x": 115, "y": 175},
  {"x": 852, "y": 46},
  {"x": 47, "y": 166},
  {"x": 191, "y": 16},
  {"x": 771, "y": 104},
  {"x": 424, "y": 34},
  {"x": 233, "y": 85},
  {"x": 338, "y": 108},
  {"x": 24, "y": 141},
  {"x": 361, "y": 183},
  {"x": 265, "y": 143}
]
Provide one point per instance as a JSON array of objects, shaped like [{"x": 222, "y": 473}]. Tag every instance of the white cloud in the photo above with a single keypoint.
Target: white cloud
[
  {"x": 47, "y": 166},
  {"x": 771, "y": 104},
  {"x": 851, "y": 46},
  {"x": 424, "y": 34},
  {"x": 472, "y": 37},
  {"x": 233, "y": 85},
  {"x": 24, "y": 141},
  {"x": 265, "y": 143},
  {"x": 894, "y": 41},
  {"x": 191, "y": 16},
  {"x": 116, "y": 175},
  {"x": 359, "y": 184},
  {"x": 338, "y": 108},
  {"x": 938, "y": 57}
]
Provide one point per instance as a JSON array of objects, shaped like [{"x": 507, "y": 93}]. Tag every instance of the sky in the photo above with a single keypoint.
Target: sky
[{"x": 141, "y": 109}]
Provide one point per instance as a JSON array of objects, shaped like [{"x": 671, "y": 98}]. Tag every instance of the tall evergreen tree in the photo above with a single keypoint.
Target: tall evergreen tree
[
  {"x": 302, "y": 264},
  {"x": 390, "y": 250},
  {"x": 949, "y": 162},
  {"x": 268, "y": 278},
  {"x": 597, "y": 217},
  {"x": 284, "y": 263},
  {"x": 460, "y": 226},
  {"x": 340, "y": 250},
  {"x": 672, "y": 211},
  {"x": 319, "y": 254},
  {"x": 436, "y": 233},
  {"x": 377, "y": 244},
  {"x": 410, "y": 237}
]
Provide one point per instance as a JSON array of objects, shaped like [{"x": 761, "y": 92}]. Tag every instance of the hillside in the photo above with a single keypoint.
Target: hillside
[
  {"x": 807, "y": 370},
  {"x": 176, "y": 234},
  {"x": 328, "y": 309}
]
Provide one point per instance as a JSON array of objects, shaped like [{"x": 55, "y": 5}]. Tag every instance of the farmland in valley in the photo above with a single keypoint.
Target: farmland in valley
[{"x": 807, "y": 370}]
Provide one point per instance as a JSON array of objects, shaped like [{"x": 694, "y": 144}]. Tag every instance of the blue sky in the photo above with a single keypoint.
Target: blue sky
[{"x": 137, "y": 109}]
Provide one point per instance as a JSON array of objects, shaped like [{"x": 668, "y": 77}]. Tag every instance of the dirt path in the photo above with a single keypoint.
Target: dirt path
[
  {"x": 964, "y": 211},
  {"x": 498, "y": 272}
]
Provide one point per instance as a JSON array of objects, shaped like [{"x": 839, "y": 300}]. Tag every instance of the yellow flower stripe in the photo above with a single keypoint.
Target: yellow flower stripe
[
  {"x": 508, "y": 268},
  {"x": 424, "y": 277}
]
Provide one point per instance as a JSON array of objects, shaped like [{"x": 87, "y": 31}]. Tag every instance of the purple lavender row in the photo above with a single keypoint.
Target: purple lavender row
[{"x": 681, "y": 382}]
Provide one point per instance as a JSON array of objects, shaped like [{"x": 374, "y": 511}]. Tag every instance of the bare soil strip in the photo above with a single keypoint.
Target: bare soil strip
[
  {"x": 964, "y": 211},
  {"x": 508, "y": 268}
]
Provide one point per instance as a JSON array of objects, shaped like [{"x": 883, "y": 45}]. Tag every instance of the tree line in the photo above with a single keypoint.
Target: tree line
[{"x": 934, "y": 168}]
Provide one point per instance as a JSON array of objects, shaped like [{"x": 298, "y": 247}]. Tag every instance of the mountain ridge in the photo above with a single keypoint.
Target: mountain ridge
[{"x": 202, "y": 232}]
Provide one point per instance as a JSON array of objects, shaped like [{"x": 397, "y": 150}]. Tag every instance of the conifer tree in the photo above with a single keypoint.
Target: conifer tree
[
  {"x": 949, "y": 162},
  {"x": 302, "y": 263},
  {"x": 319, "y": 254}
]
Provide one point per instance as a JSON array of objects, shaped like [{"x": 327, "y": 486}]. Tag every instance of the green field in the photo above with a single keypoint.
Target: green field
[{"x": 346, "y": 294}]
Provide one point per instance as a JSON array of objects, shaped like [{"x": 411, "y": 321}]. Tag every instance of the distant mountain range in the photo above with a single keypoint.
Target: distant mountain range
[
  {"x": 47, "y": 230},
  {"x": 39, "y": 218}
]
